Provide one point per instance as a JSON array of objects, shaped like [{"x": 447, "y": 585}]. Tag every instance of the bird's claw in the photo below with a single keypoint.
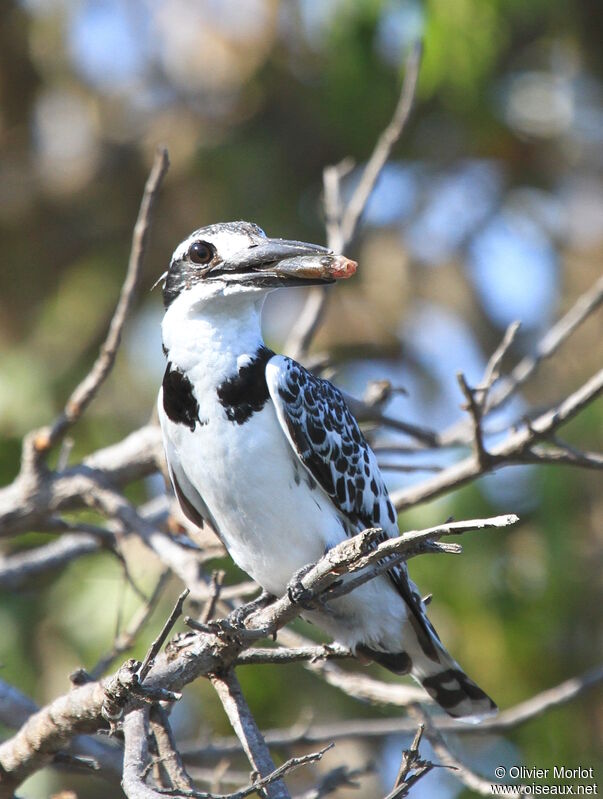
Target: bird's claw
[
  {"x": 238, "y": 616},
  {"x": 297, "y": 592}
]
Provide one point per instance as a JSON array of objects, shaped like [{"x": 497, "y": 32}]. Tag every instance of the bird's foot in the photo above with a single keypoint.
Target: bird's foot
[
  {"x": 238, "y": 616},
  {"x": 296, "y": 590}
]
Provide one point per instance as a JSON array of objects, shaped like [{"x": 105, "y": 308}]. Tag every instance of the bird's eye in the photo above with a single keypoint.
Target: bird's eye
[{"x": 200, "y": 252}]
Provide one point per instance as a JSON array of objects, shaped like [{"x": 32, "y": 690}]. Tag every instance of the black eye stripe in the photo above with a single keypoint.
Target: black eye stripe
[{"x": 200, "y": 252}]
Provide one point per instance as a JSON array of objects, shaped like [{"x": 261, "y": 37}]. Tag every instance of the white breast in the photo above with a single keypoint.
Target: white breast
[{"x": 271, "y": 521}]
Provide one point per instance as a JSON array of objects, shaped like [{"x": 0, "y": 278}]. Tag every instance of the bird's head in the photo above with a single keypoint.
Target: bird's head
[{"x": 233, "y": 258}]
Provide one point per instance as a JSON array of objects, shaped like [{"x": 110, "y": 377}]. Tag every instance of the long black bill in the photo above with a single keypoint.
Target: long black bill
[{"x": 271, "y": 251}]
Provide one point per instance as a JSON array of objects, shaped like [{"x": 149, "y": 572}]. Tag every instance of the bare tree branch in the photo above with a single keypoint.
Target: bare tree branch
[
  {"x": 217, "y": 579},
  {"x": 136, "y": 756},
  {"x": 366, "y": 729},
  {"x": 86, "y": 707},
  {"x": 585, "y": 306},
  {"x": 342, "y": 222},
  {"x": 357, "y": 685},
  {"x": 447, "y": 759},
  {"x": 492, "y": 372},
  {"x": 228, "y": 689},
  {"x": 383, "y": 148},
  {"x": 22, "y": 567},
  {"x": 475, "y": 408},
  {"x": 412, "y": 768},
  {"x": 516, "y": 448},
  {"x": 339, "y": 777},
  {"x": 87, "y": 389},
  {"x": 165, "y": 631},
  {"x": 169, "y": 756},
  {"x": 282, "y": 654}
]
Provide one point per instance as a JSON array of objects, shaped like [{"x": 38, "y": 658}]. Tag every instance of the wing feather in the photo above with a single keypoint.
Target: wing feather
[{"x": 327, "y": 440}]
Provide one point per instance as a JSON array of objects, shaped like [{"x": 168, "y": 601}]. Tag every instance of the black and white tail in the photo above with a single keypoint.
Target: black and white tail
[
  {"x": 426, "y": 659},
  {"x": 448, "y": 685}
]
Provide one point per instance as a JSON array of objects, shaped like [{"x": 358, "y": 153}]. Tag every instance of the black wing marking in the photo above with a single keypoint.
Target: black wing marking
[
  {"x": 327, "y": 440},
  {"x": 179, "y": 402},
  {"x": 246, "y": 393}
]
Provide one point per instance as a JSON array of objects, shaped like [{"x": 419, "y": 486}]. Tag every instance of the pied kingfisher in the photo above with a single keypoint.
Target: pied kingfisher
[{"x": 270, "y": 455}]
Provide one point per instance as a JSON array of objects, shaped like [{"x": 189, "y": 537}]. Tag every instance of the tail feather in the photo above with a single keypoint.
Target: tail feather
[
  {"x": 443, "y": 679},
  {"x": 455, "y": 692}
]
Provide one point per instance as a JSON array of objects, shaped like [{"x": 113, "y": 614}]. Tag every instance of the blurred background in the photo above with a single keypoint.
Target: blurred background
[{"x": 490, "y": 210}]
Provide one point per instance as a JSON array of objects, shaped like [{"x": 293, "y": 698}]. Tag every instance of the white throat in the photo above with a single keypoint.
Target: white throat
[{"x": 215, "y": 334}]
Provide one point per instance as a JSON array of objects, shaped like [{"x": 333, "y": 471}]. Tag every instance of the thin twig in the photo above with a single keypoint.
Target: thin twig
[
  {"x": 508, "y": 385},
  {"x": 126, "y": 639},
  {"x": 85, "y": 392},
  {"x": 331, "y": 179},
  {"x": 342, "y": 223},
  {"x": 447, "y": 758},
  {"x": 412, "y": 768},
  {"x": 158, "y": 642},
  {"x": 384, "y": 146},
  {"x": 339, "y": 777},
  {"x": 281, "y": 771},
  {"x": 475, "y": 409},
  {"x": 409, "y": 468},
  {"x": 477, "y": 397},
  {"x": 492, "y": 372},
  {"x": 356, "y": 684},
  {"x": 515, "y": 448},
  {"x": 217, "y": 579}
]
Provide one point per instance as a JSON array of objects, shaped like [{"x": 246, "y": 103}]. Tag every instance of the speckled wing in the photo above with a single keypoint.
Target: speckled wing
[{"x": 327, "y": 440}]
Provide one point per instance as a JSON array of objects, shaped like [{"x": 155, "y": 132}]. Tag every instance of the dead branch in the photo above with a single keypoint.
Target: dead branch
[
  {"x": 168, "y": 754},
  {"x": 33, "y": 499},
  {"x": 85, "y": 392},
  {"x": 412, "y": 768},
  {"x": 357, "y": 685},
  {"x": 475, "y": 408},
  {"x": 448, "y": 759},
  {"x": 215, "y": 589},
  {"x": 383, "y": 148},
  {"x": 518, "y": 447},
  {"x": 508, "y": 385},
  {"x": 282, "y": 654},
  {"x": 342, "y": 222},
  {"x": 366, "y": 729},
  {"x": 228, "y": 689},
  {"x": 47, "y": 732},
  {"x": 160, "y": 640},
  {"x": 136, "y": 756},
  {"x": 86, "y": 707},
  {"x": 339, "y": 777},
  {"x": 19, "y": 569}
]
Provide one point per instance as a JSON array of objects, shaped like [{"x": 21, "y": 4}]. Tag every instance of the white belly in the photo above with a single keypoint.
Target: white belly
[{"x": 258, "y": 492}]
